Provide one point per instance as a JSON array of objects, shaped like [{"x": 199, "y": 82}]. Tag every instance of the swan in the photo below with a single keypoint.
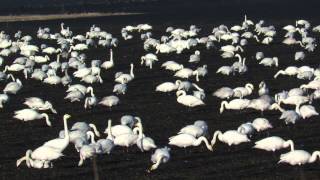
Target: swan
[
  {"x": 86, "y": 151},
  {"x": 120, "y": 88},
  {"x": 129, "y": 120},
  {"x": 43, "y": 154},
  {"x": 75, "y": 96},
  {"x": 52, "y": 79},
  {"x": 231, "y": 48},
  {"x": 299, "y": 56},
  {"x": 195, "y": 58},
  {"x": 200, "y": 71},
  {"x": 263, "y": 89},
  {"x": 79, "y": 87},
  {"x": 235, "y": 104},
  {"x": 82, "y": 72},
  {"x": 168, "y": 86},
  {"x": 125, "y": 140},
  {"x": 13, "y": 87},
  {"x": 267, "y": 40},
  {"x": 108, "y": 64},
  {"x": 269, "y": 61},
  {"x": 172, "y": 66},
  {"x": 38, "y": 104},
  {"x": 259, "y": 56},
  {"x": 225, "y": 70},
  {"x": 90, "y": 79},
  {"x": 161, "y": 155},
  {"x": 243, "y": 91},
  {"x": 30, "y": 114},
  {"x": 290, "y": 116},
  {"x": 294, "y": 100},
  {"x": 125, "y": 78},
  {"x": 144, "y": 143},
  {"x": 188, "y": 100},
  {"x": 291, "y": 71},
  {"x": 273, "y": 143},
  {"x": 246, "y": 128},
  {"x": 84, "y": 127},
  {"x": 224, "y": 93},
  {"x": 40, "y": 59},
  {"x": 38, "y": 74},
  {"x": 109, "y": 101},
  {"x": 194, "y": 130},
  {"x": 315, "y": 84},
  {"x": 184, "y": 73},
  {"x": 306, "y": 111},
  {"x": 299, "y": 157},
  {"x": 261, "y": 124},
  {"x": 107, "y": 144},
  {"x": 60, "y": 143},
  {"x": 78, "y": 47},
  {"x": 35, "y": 163},
  {"x": 3, "y": 99},
  {"x": 230, "y": 137},
  {"x": 14, "y": 68},
  {"x": 51, "y": 50},
  {"x": 262, "y": 104},
  {"x": 186, "y": 140}
]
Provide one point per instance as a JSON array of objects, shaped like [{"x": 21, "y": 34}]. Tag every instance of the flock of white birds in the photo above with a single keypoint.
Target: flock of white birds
[{"x": 43, "y": 63}]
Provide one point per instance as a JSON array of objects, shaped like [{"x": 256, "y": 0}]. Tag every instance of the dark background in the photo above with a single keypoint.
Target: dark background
[
  {"x": 267, "y": 7},
  {"x": 162, "y": 116}
]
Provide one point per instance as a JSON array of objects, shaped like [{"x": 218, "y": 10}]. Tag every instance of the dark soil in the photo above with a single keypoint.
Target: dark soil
[{"x": 162, "y": 116}]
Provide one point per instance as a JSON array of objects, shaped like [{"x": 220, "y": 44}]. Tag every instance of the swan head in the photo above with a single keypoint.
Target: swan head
[
  {"x": 66, "y": 116},
  {"x": 197, "y": 52},
  {"x": 250, "y": 86},
  {"x": 262, "y": 84},
  {"x": 180, "y": 93}
]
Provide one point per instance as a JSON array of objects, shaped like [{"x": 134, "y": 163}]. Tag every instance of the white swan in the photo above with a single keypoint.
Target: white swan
[
  {"x": 295, "y": 100},
  {"x": 60, "y": 143},
  {"x": 225, "y": 70},
  {"x": 188, "y": 100},
  {"x": 235, "y": 104},
  {"x": 172, "y": 66},
  {"x": 240, "y": 92},
  {"x": 13, "y": 87},
  {"x": 107, "y": 144},
  {"x": 108, "y": 64},
  {"x": 299, "y": 157},
  {"x": 315, "y": 84},
  {"x": 186, "y": 140},
  {"x": 261, "y": 124},
  {"x": 161, "y": 155},
  {"x": 84, "y": 127},
  {"x": 273, "y": 143},
  {"x": 230, "y": 137},
  {"x": 144, "y": 143},
  {"x": 193, "y": 130},
  {"x": 125, "y": 78},
  {"x": 3, "y": 99},
  {"x": 39, "y": 104},
  {"x": 267, "y": 61},
  {"x": 184, "y": 73},
  {"x": 306, "y": 111},
  {"x": 290, "y": 71},
  {"x": 168, "y": 86},
  {"x": 224, "y": 93},
  {"x": 30, "y": 114},
  {"x": 109, "y": 101}
]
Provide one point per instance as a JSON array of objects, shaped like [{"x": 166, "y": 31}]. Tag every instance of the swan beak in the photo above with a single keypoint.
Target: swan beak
[{"x": 53, "y": 111}]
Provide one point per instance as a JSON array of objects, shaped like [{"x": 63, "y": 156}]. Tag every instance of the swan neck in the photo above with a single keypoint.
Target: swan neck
[
  {"x": 215, "y": 136},
  {"x": 66, "y": 129},
  {"x": 314, "y": 156}
]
